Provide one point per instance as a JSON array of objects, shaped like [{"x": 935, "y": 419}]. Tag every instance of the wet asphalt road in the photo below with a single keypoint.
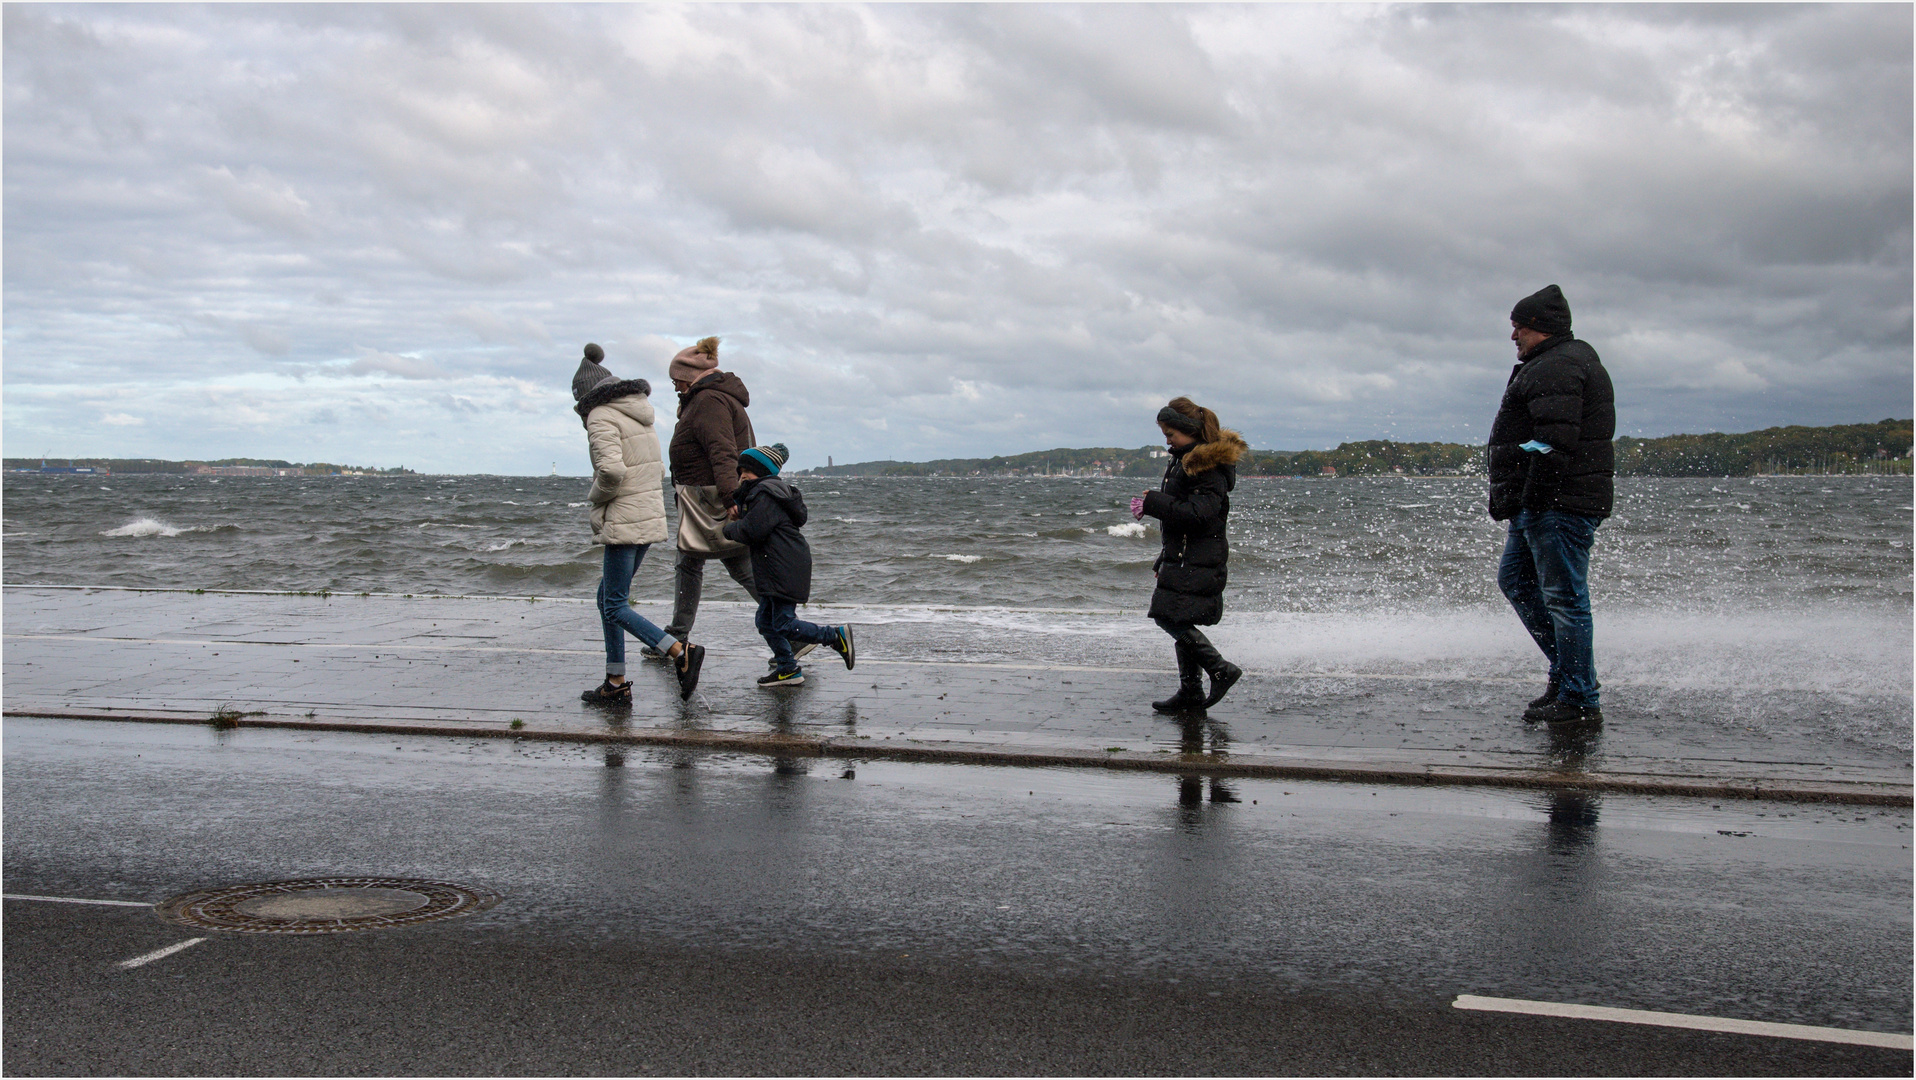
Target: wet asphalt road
[{"x": 702, "y": 914}]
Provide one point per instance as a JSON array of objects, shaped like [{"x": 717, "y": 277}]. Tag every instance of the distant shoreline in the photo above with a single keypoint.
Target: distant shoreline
[{"x": 1881, "y": 448}]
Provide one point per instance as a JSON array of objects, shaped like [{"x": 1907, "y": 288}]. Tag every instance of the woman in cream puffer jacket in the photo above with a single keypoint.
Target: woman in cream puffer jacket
[
  {"x": 628, "y": 516},
  {"x": 628, "y": 472}
]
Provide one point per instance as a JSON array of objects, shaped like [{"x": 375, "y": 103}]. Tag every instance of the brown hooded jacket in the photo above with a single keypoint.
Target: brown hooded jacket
[{"x": 711, "y": 431}]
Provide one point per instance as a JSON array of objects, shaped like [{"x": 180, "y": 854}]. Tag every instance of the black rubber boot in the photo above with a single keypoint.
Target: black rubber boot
[
  {"x": 1549, "y": 695},
  {"x": 1190, "y": 693},
  {"x": 1224, "y": 674}
]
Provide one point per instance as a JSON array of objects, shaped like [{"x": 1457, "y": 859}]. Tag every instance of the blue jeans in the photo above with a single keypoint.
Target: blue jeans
[
  {"x": 1544, "y": 575},
  {"x": 778, "y": 621},
  {"x": 615, "y": 610}
]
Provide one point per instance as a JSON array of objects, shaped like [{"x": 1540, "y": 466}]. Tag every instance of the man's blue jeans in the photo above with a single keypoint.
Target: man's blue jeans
[
  {"x": 1544, "y": 574},
  {"x": 615, "y": 610},
  {"x": 779, "y": 624}
]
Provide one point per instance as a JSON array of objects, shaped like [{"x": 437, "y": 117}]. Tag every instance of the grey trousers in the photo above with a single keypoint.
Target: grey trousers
[{"x": 691, "y": 582}]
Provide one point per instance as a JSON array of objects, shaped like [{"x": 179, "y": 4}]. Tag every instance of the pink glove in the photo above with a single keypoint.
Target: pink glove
[{"x": 1137, "y": 508}]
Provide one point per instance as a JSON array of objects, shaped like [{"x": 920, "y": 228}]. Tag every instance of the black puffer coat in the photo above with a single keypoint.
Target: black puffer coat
[
  {"x": 1561, "y": 396},
  {"x": 771, "y": 512},
  {"x": 1191, "y": 506}
]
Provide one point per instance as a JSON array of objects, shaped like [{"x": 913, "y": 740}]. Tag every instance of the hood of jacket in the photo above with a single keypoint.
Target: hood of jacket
[
  {"x": 723, "y": 382},
  {"x": 775, "y": 487},
  {"x": 615, "y": 391},
  {"x": 1228, "y": 448}
]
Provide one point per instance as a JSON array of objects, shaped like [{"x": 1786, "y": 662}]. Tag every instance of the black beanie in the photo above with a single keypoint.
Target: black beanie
[{"x": 1545, "y": 311}]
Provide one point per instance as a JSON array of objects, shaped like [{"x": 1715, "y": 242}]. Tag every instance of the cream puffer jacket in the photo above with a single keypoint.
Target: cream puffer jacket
[{"x": 627, "y": 497}]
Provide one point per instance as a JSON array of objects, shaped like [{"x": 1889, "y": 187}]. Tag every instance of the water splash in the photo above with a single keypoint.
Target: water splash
[{"x": 145, "y": 526}]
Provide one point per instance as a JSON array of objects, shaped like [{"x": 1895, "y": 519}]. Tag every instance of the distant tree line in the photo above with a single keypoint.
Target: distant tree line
[
  {"x": 1882, "y": 447},
  {"x": 1848, "y": 448}
]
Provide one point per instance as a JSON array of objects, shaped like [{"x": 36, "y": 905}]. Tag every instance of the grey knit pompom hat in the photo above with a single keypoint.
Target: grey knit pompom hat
[{"x": 591, "y": 374}]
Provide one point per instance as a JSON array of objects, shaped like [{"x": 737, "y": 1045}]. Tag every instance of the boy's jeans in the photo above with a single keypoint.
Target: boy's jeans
[
  {"x": 615, "y": 612},
  {"x": 1544, "y": 574},
  {"x": 778, "y": 621}
]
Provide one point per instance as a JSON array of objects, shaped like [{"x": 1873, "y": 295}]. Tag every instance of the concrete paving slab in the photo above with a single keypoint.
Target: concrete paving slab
[{"x": 503, "y": 666}]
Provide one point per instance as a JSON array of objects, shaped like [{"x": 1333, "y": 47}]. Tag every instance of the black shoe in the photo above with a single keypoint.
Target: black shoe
[
  {"x": 1549, "y": 695},
  {"x": 1225, "y": 677},
  {"x": 607, "y": 694},
  {"x": 1190, "y": 696},
  {"x": 776, "y": 679},
  {"x": 690, "y": 661},
  {"x": 647, "y": 652},
  {"x": 842, "y": 645},
  {"x": 1564, "y": 712}
]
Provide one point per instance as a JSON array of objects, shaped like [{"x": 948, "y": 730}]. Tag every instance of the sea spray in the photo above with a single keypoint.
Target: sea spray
[{"x": 145, "y": 526}]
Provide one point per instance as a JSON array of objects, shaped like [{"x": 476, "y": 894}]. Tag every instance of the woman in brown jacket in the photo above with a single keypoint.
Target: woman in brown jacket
[{"x": 712, "y": 431}]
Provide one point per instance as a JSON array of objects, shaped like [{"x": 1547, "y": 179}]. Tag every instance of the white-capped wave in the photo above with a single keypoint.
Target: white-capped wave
[
  {"x": 145, "y": 526},
  {"x": 574, "y": 506},
  {"x": 1129, "y": 528},
  {"x": 444, "y": 525},
  {"x": 504, "y": 546},
  {"x": 958, "y": 558}
]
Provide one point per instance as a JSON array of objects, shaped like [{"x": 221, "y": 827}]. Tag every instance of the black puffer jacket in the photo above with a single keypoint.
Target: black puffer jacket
[
  {"x": 1191, "y": 506},
  {"x": 771, "y": 512},
  {"x": 1561, "y": 396}
]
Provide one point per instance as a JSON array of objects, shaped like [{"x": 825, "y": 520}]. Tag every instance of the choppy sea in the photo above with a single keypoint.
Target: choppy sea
[{"x": 1750, "y": 601}]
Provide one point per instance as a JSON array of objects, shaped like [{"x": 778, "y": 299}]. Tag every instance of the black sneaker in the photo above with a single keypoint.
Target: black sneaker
[
  {"x": 802, "y": 649},
  {"x": 689, "y": 664},
  {"x": 607, "y": 694},
  {"x": 1549, "y": 695},
  {"x": 1564, "y": 712},
  {"x": 1222, "y": 680},
  {"x": 775, "y": 679},
  {"x": 647, "y": 652},
  {"x": 842, "y": 645}
]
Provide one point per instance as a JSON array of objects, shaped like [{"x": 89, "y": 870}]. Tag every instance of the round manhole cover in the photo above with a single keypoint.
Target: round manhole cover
[{"x": 324, "y": 905}]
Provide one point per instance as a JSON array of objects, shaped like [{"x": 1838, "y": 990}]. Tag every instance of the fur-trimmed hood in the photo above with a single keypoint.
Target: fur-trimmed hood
[
  {"x": 1226, "y": 450},
  {"x": 610, "y": 392}
]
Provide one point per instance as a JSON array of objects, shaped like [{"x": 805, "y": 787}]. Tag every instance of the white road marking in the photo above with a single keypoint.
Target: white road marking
[
  {"x": 74, "y": 900},
  {"x": 161, "y": 954},
  {"x": 1684, "y": 1020}
]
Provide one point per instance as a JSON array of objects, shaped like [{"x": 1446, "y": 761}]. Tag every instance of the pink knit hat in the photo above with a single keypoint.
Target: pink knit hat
[{"x": 694, "y": 363}]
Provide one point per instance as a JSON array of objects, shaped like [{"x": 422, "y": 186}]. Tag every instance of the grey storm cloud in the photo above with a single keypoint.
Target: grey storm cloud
[{"x": 386, "y": 231}]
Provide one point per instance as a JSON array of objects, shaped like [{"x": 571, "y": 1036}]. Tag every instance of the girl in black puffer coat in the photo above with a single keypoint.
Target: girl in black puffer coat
[{"x": 1191, "y": 506}]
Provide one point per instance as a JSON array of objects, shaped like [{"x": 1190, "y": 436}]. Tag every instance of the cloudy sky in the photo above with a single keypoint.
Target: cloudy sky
[{"x": 382, "y": 234}]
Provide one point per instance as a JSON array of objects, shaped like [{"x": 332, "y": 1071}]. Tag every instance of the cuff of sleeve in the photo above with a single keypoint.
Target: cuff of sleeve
[{"x": 1155, "y": 503}]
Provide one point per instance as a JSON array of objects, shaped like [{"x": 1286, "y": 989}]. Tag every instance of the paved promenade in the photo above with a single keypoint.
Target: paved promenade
[{"x": 496, "y": 667}]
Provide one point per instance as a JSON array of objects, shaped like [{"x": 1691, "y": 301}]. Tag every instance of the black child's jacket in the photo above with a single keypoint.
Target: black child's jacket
[{"x": 771, "y": 512}]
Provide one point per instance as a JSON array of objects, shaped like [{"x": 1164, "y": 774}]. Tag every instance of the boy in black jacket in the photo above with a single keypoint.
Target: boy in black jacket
[{"x": 769, "y": 512}]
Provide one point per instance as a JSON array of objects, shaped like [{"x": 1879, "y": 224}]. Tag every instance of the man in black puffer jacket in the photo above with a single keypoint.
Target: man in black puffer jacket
[{"x": 1552, "y": 469}]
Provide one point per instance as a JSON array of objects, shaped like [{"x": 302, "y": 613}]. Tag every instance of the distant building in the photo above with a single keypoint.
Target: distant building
[
  {"x": 1328, "y": 470},
  {"x": 238, "y": 470}
]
